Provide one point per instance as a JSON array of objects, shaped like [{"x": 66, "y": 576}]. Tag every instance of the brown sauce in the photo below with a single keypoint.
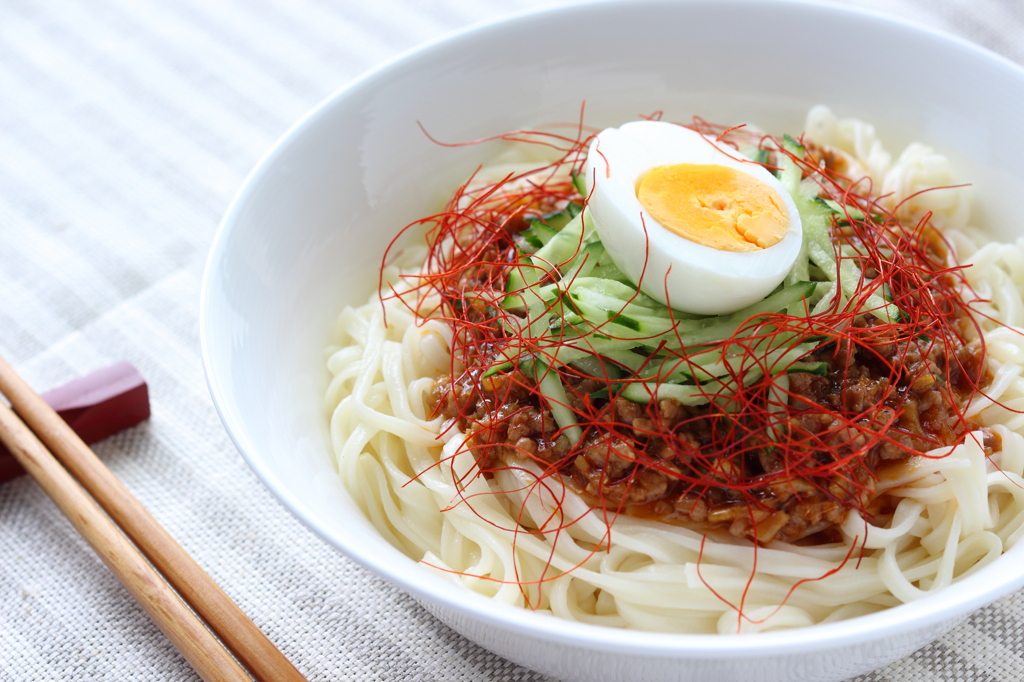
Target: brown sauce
[{"x": 638, "y": 473}]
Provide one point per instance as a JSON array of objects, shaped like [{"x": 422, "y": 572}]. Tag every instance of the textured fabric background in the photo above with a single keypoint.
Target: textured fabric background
[{"x": 125, "y": 128}]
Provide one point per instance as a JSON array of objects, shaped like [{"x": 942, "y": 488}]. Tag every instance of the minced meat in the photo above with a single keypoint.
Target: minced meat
[{"x": 634, "y": 469}]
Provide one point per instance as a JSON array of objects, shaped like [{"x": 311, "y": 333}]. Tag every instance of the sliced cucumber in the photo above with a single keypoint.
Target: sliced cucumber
[
  {"x": 600, "y": 301},
  {"x": 625, "y": 320},
  {"x": 551, "y": 388},
  {"x": 517, "y": 284},
  {"x": 817, "y": 368},
  {"x": 715, "y": 364},
  {"x": 774, "y": 303},
  {"x": 589, "y": 315},
  {"x": 776, "y": 405},
  {"x": 585, "y": 263},
  {"x": 624, "y": 292},
  {"x": 610, "y": 273},
  {"x": 718, "y": 387},
  {"x": 644, "y": 392},
  {"x": 790, "y": 143},
  {"x": 842, "y": 211},
  {"x": 816, "y": 216},
  {"x": 558, "y": 221},
  {"x": 597, "y": 367},
  {"x": 579, "y": 181},
  {"x": 498, "y": 369},
  {"x": 564, "y": 246},
  {"x": 538, "y": 233}
]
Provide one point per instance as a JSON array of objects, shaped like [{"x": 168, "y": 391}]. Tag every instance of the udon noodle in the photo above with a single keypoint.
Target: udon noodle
[{"x": 958, "y": 509}]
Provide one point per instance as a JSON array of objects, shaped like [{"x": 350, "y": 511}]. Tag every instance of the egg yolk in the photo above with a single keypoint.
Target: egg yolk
[{"x": 716, "y": 206}]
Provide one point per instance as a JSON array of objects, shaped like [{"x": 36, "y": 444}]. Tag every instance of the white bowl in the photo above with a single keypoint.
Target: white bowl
[{"x": 305, "y": 235}]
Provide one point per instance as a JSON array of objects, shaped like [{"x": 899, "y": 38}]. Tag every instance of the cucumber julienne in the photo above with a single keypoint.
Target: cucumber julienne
[{"x": 568, "y": 290}]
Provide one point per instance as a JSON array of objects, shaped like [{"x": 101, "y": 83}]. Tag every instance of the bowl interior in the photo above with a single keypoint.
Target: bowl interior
[{"x": 306, "y": 234}]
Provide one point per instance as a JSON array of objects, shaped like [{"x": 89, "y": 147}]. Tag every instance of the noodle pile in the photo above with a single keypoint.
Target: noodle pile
[{"x": 541, "y": 546}]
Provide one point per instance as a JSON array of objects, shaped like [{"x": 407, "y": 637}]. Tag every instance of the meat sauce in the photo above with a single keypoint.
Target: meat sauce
[{"x": 639, "y": 473}]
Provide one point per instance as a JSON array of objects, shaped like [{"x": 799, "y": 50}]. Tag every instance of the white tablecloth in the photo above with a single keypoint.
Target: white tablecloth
[{"x": 125, "y": 128}]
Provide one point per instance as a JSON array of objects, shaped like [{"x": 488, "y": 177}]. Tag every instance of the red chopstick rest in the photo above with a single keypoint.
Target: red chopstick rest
[{"x": 95, "y": 406}]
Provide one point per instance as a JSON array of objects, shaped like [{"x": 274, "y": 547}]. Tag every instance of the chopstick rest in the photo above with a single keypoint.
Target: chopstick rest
[
  {"x": 95, "y": 406},
  {"x": 198, "y": 590},
  {"x": 172, "y": 616}
]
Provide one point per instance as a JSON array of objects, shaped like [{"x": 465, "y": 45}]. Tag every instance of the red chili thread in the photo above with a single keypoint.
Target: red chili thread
[{"x": 472, "y": 247}]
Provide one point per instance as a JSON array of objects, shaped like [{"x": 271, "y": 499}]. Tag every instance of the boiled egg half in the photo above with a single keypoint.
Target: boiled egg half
[{"x": 698, "y": 225}]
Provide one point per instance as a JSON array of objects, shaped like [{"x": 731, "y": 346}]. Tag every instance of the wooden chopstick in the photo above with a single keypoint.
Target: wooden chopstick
[
  {"x": 168, "y": 611},
  {"x": 221, "y": 614}
]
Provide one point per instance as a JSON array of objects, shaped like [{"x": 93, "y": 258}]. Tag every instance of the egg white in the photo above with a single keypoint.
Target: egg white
[{"x": 684, "y": 274}]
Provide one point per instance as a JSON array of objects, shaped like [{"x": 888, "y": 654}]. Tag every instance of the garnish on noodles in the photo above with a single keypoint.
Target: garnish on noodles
[
  {"x": 691, "y": 353},
  {"x": 771, "y": 421}
]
